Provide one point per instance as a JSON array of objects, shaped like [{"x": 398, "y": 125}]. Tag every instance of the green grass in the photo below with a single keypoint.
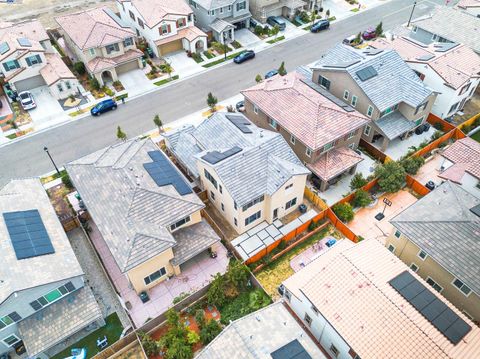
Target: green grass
[
  {"x": 476, "y": 136},
  {"x": 164, "y": 81},
  {"x": 197, "y": 57},
  {"x": 332, "y": 18},
  {"x": 53, "y": 176},
  {"x": 12, "y": 136},
  {"x": 355, "y": 10},
  {"x": 280, "y": 38},
  {"x": 229, "y": 57},
  {"x": 113, "y": 329},
  {"x": 208, "y": 54}
]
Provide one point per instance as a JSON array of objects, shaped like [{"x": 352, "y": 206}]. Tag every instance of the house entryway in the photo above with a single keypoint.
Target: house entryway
[{"x": 107, "y": 77}]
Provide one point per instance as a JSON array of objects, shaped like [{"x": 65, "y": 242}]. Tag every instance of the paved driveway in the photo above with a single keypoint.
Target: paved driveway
[
  {"x": 246, "y": 37},
  {"x": 48, "y": 109},
  {"x": 135, "y": 82},
  {"x": 182, "y": 64}
]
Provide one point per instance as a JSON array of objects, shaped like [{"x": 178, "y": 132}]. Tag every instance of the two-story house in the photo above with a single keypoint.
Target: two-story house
[
  {"x": 262, "y": 9},
  {"x": 102, "y": 41},
  {"x": 378, "y": 84},
  {"x": 251, "y": 175},
  {"x": 324, "y": 132},
  {"x": 221, "y": 18},
  {"x": 28, "y": 60},
  {"x": 452, "y": 70},
  {"x": 166, "y": 25},
  {"x": 438, "y": 237},
  {"x": 43, "y": 296}
]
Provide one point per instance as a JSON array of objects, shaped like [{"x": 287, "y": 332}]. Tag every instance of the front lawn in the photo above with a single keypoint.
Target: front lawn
[
  {"x": 280, "y": 38},
  {"x": 476, "y": 136},
  {"x": 167, "y": 80}
]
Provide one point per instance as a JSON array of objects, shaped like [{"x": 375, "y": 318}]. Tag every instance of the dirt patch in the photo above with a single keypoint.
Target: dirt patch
[{"x": 58, "y": 198}]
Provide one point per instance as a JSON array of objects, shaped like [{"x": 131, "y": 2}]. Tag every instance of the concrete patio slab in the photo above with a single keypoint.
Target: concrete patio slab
[
  {"x": 311, "y": 253},
  {"x": 5, "y": 109},
  {"x": 398, "y": 148},
  {"x": 135, "y": 82},
  {"x": 246, "y": 37}
]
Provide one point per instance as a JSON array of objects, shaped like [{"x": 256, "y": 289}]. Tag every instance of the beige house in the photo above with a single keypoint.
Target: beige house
[
  {"x": 251, "y": 175},
  {"x": 262, "y": 9},
  {"x": 323, "y": 132},
  {"x": 438, "y": 238},
  {"x": 145, "y": 210},
  {"x": 378, "y": 84},
  {"x": 98, "y": 38}
]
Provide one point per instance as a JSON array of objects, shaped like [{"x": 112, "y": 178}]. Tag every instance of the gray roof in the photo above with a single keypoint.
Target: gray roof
[
  {"x": 218, "y": 25},
  {"x": 394, "y": 124},
  {"x": 59, "y": 321},
  {"x": 17, "y": 275},
  {"x": 214, "y": 4},
  {"x": 394, "y": 83},
  {"x": 132, "y": 213},
  {"x": 442, "y": 225},
  {"x": 263, "y": 165},
  {"x": 461, "y": 26}
]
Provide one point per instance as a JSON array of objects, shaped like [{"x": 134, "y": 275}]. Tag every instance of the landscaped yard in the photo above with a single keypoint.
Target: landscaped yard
[{"x": 476, "y": 136}]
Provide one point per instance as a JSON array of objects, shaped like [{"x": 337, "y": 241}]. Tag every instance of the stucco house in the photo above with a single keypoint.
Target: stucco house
[
  {"x": 102, "y": 41},
  {"x": 44, "y": 299},
  {"x": 251, "y": 175},
  {"x": 166, "y": 25},
  {"x": 28, "y": 60},
  {"x": 378, "y": 84},
  {"x": 262, "y": 9}
]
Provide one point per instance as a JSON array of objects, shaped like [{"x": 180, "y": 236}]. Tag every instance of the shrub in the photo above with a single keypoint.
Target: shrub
[
  {"x": 258, "y": 30},
  {"x": 282, "y": 245},
  {"x": 304, "y": 17},
  {"x": 258, "y": 78},
  {"x": 391, "y": 176},
  {"x": 412, "y": 164},
  {"x": 216, "y": 291},
  {"x": 438, "y": 126},
  {"x": 362, "y": 198},
  {"x": 357, "y": 181},
  {"x": 149, "y": 345},
  {"x": 237, "y": 274},
  {"x": 210, "y": 331},
  {"x": 379, "y": 29},
  {"x": 94, "y": 84},
  {"x": 344, "y": 211},
  {"x": 236, "y": 44},
  {"x": 67, "y": 181},
  {"x": 180, "y": 297},
  {"x": 212, "y": 102},
  {"x": 360, "y": 238},
  {"x": 79, "y": 68},
  {"x": 230, "y": 108},
  {"x": 179, "y": 349},
  {"x": 192, "y": 337},
  {"x": 436, "y": 135},
  {"x": 281, "y": 69},
  {"x": 108, "y": 91},
  {"x": 258, "y": 299},
  {"x": 312, "y": 226},
  {"x": 266, "y": 30},
  {"x": 200, "y": 318}
]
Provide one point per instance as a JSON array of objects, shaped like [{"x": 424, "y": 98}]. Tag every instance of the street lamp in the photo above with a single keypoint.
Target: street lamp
[
  {"x": 224, "y": 45},
  {"x": 51, "y": 159},
  {"x": 411, "y": 14}
]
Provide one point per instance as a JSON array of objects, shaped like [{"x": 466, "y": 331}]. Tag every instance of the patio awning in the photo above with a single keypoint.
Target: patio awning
[
  {"x": 235, "y": 19},
  {"x": 394, "y": 125},
  {"x": 335, "y": 162}
]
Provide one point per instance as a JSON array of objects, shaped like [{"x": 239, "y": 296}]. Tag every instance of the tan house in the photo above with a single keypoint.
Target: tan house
[
  {"x": 439, "y": 238},
  {"x": 378, "y": 84},
  {"x": 98, "y": 38},
  {"x": 251, "y": 175},
  {"x": 262, "y": 9},
  {"x": 323, "y": 131},
  {"x": 145, "y": 210}
]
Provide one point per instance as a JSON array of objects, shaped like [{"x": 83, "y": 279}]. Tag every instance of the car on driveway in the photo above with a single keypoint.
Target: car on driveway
[
  {"x": 352, "y": 41},
  {"x": 320, "y": 25},
  {"x": 369, "y": 34},
  {"x": 103, "y": 106},
  {"x": 277, "y": 21},
  {"x": 271, "y": 73},
  {"x": 26, "y": 100},
  {"x": 244, "y": 56}
]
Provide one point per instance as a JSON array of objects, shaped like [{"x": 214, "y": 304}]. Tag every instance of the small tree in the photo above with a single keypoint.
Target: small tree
[
  {"x": 237, "y": 274},
  {"x": 258, "y": 79},
  {"x": 179, "y": 349},
  {"x": 210, "y": 331},
  {"x": 412, "y": 164},
  {"x": 216, "y": 291},
  {"x": 275, "y": 30},
  {"x": 168, "y": 69},
  {"x": 200, "y": 318},
  {"x": 357, "y": 181},
  {"x": 67, "y": 181},
  {"x": 327, "y": 13},
  {"x": 281, "y": 69},
  {"x": 149, "y": 345},
  {"x": 344, "y": 212},
  {"x": 258, "y": 30},
  {"x": 391, "y": 176},
  {"x": 79, "y": 68},
  {"x": 379, "y": 29},
  {"x": 358, "y": 38},
  {"x": 158, "y": 122},
  {"x": 173, "y": 318},
  {"x": 361, "y": 198},
  {"x": 94, "y": 84},
  {"x": 313, "y": 17},
  {"x": 120, "y": 134},
  {"x": 212, "y": 102},
  {"x": 192, "y": 337}
]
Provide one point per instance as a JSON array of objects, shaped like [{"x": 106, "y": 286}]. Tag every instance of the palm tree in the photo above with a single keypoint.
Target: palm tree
[
  {"x": 120, "y": 134},
  {"x": 158, "y": 123}
]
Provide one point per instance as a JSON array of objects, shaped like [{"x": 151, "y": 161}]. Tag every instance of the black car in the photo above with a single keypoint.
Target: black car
[
  {"x": 244, "y": 56},
  {"x": 240, "y": 106},
  {"x": 320, "y": 25}
]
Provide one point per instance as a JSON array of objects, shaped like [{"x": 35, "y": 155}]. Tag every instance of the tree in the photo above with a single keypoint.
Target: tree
[
  {"x": 344, "y": 212},
  {"x": 168, "y": 69},
  {"x": 258, "y": 79},
  {"x": 258, "y": 30},
  {"x": 149, "y": 345},
  {"x": 379, "y": 29},
  {"x": 313, "y": 17},
  {"x": 210, "y": 331},
  {"x": 173, "y": 318},
  {"x": 361, "y": 198},
  {"x": 94, "y": 84},
  {"x": 120, "y": 134},
  {"x": 391, "y": 176},
  {"x": 281, "y": 69},
  {"x": 412, "y": 164},
  {"x": 328, "y": 13},
  {"x": 67, "y": 181},
  {"x": 192, "y": 337},
  {"x": 200, "y": 318},
  {"x": 158, "y": 122},
  {"x": 357, "y": 181},
  {"x": 212, "y": 102},
  {"x": 79, "y": 68},
  {"x": 358, "y": 38},
  {"x": 275, "y": 30},
  {"x": 237, "y": 274},
  {"x": 179, "y": 349},
  {"x": 216, "y": 291}
]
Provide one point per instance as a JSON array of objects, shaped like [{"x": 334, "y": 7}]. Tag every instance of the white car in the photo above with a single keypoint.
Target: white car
[{"x": 27, "y": 101}]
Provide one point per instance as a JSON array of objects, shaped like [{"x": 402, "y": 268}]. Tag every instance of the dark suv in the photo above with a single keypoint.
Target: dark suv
[
  {"x": 320, "y": 25},
  {"x": 278, "y": 21},
  {"x": 103, "y": 106}
]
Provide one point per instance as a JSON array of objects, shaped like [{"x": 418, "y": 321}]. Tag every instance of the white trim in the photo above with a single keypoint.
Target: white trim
[
  {"x": 346, "y": 94},
  {"x": 418, "y": 255},
  {"x": 255, "y": 109},
  {"x": 365, "y": 132},
  {"x": 370, "y": 107},
  {"x": 463, "y": 285},
  {"x": 356, "y": 101},
  {"x": 308, "y": 152},
  {"x": 414, "y": 264},
  {"x": 395, "y": 233},
  {"x": 292, "y": 139},
  {"x": 434, "y": 281},
  {"x": 11, "y": 345},
  {"x": 392, "y": 248}
]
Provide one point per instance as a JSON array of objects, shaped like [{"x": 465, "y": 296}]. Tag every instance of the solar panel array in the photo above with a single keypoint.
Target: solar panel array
[
  {"x": 327, "y": 95},
  {"x": 214, "y": 157},
  {"x": 476, "y": 210},
  {"x": 4, "y": 48},
  {"x": 292, "y": 350},
  {"x": 164, "y": 173},
  {"x": 433, "y": 309},
  {"x": 240, "y": 122},
  {"x": 366, "y": 73},
  {"x": 28, "y": 234},
  {"x": 24, "y": 42}
]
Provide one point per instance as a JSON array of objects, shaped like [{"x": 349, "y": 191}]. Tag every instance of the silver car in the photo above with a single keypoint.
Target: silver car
[{"x": 27, "y": 101}]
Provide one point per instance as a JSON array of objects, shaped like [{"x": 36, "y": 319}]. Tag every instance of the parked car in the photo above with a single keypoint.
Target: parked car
[
  {"x": 271, "y": 73},
  {"x": 244, "y": 56},
  {"x": 320, "y": 25},
  {"x": 103, "y": 106},
  {"x": 26, "y": 100},
  {"x": 240, "y": 106},
  {"x": 277, "y": 21},
  {"x": 369, "y": 34},
  {"x": 352, "y": 41}
]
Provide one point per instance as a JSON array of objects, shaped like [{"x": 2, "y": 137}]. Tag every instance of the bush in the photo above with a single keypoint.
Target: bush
[
  {"x": 245, "y": 303},
  {"x": 258, "y": 30},
  {"x": 236, "y": 44},
  {"x": 357, "y": 181},
  {"x": 79, "y": 68},
  {"x": 362, "y": 198},
  {"x": 266, "y": 30},
  {"x": 216, "y": 291},
  {"x": 192, "y": 337},
  {"x": 436, "y": 135},
  {"x": 108, "y": 91},
  {"x": 412, "y": 164},
  {"x": 200, "y": 318},
  {"x": 304, "y": 17},
  {"x": 391, "y": 176},
  {"x": 149, "y": 345},
  {"x": 67, "y": 181},
  {"x": 438, "y": 126},
  {"x": 179, "y": 349},
  {"x": 210, "y": 331},
  {"x": 258, "y": 299},
  {"x": 237, "y": 274},
  {"x": 312, "y": 226},
  {"x": 344, "y": 211},
  {"x": 94, "y": 84}
]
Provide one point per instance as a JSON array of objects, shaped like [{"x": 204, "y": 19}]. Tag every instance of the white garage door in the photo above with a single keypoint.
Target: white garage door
[
  {"x": 30, "y": 83},
  {"x": 276, "y": 12},
  {"x": 127, "y": 67}
]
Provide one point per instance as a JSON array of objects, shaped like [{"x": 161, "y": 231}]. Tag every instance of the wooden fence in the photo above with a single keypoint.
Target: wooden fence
[
  {"x": 366, "y": 187},
  {"x": 315, "y": 199},
  {"x": 435, "y": 121},
  {"x": 416, "y": 186},
  {"x": 469, "y": 122},
  {"x": 373, "y": 151},
  {"x": 120, "y": 347},
  {"x": 455, "y": 134}
]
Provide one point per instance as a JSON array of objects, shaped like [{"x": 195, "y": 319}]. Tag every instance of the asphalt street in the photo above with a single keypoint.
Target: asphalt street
[{"x": 68, "y": 142}]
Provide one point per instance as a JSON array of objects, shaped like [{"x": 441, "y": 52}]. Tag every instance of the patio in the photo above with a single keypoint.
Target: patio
[
  {"x": 310, "y": 254},
  {"x": 398, "y": 148},
  {"x": 430, "y": 170}
]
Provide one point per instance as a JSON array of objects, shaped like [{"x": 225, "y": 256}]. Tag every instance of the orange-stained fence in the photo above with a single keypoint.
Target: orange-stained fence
[
  {"x": 416, "y": 186},
  {"x": 314, "y": 198},
  {"x": 366, "y": 187},
  {"x": 469, "y": 122},
  {"x": 340, "y": 226},
  {"x": 373, "y": 151},
  {"x": 455, "y": 134},
  {"x": 446, "y": 126}
]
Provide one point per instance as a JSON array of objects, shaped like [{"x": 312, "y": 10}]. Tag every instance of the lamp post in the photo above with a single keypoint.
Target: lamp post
[
  {"x": 411, "y": 14},
  {"x": 224, "y": 45},
  {"x": 51, "y": 159}
]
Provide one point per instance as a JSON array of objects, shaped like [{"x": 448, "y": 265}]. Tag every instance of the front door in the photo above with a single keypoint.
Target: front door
[{"x": 275, "y": 213}]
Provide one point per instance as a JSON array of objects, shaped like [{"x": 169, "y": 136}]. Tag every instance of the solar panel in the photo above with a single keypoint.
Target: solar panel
[
  {"x": 28, "y": 234},
  {"x": 214, "y": 157},
  {"x": 366, "y": 73},
  {"x": 24, "y": 42},
  {"x": 476, "y": 210},
  {"x": 433, "y": 309},
  {"x": 4, "y": 48},
  {"x": 240, "y": 122},
  {"x": 163, "y": 173},
  {"x": 292, "y": 350}
]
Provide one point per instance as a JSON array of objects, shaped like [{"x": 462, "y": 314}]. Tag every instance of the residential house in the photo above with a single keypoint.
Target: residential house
[
  {"x": 251, "y": 175},
  {"x": 166, "y": 25},
  {"x": 28, "y": 60},
  {"x": 380, "y": 85},
  {"x": 262, "y": 9},
  {"x": 438, "y": 237},
  {"x": 461, "y": 27},
  {"x": 221, "y": 18},
  {"x": 324, "y": 132},
  {"x": 145, "y": 210},
  {"x": 470, "y": 6},
  {"x": 43, "y": 296},
  {"x": 450, "y": 69},
  {"x": 269, "y": 333},
  {"x": 360, "y": 301},
  {"x": 102, "y": 41}
]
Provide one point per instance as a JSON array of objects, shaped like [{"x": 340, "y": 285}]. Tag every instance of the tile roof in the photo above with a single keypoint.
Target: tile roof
[
  {"x": 334, "y": 162},
  {"x": 99, "y": 64},
  {"x": 464, "y": 4},
  {"x": 455, "y": 66},
  {"x": 33, "y": 31},
  {"x": 394, "y": 124},
  {"x": 154, "y": 11},
  {"x": 442, "y": 224},
  {"x": 457, "y": 19},
  {"x": 395, "y": 81},
  {"x": 465, "y": 154},
  {"x": 190, "y": 33},
  {"x": 55, "y": 70},
  {"x": 265, "y": 163},
  {"x": 16, "y": 275},
  {"x": 94, "y": 28},
  {"x": 303, "y": 111},
  {"x": 218, "y": 25},
  {"x": 132, "y": 213},
  {"x": 349, "y": 285}
]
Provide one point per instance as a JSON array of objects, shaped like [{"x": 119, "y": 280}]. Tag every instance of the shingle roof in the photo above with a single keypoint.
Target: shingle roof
[
  {"x": 305, "y": 113},
  {"x": 442, "y": 224},
  {"x": 218, "y": 25},
  {"x": 130, "y": 210},
  {"x": 395, "y": 81},
  {"x": 154, "y": 11},
  {"x": 349, "y": 285},
  {"x": 465, "y": 154}
]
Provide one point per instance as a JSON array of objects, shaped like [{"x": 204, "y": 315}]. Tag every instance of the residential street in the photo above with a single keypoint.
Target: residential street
[{"x": 73, "y": 140}]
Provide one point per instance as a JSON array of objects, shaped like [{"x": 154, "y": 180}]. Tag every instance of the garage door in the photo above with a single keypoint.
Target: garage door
[
  {"x": 29, "y": 83},
  {"x": 170, "y": 47},
  {"x": 276, "y": 12},
  {"x": 132, "y": 65}
]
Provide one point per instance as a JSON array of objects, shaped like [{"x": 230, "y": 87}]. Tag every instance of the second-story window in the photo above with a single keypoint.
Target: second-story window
[
  {"x": 140, "y": 22},
  {"x": 33, "y": 60},
  {"x": 11, "y": 65},
  {"x": 221, "y": 10},
  {"x": 241, "y": 6},
  {"x": 354, "y": 100},
  {"x": 421, "y": 107},
  {"x": 229, "y": 7},
  {"x": 132, "y": 16},
  {"x": 128, "y": 42},
  {"x": 308, "y": 152},
  {"x": 272, "y": 123},
  {"x": 370, "y": 111},
  {"x": 328, "y": 146},
  {"x": 181, "y": 22},
  {"x": 92, "y": 52},
  {"x": 193, "y": 4},
  {"x": 112, "y": 48},
  {"x": 165, "y": 29},
  {"x": 324, "y": 82}
]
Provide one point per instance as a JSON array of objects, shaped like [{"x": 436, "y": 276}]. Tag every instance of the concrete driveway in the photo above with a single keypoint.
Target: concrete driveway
[
  {"x": 182, "y": 64},
  {"x": 48, "y": 109},
  {"x": 246, "y": 37},
  {"x": 135, "y": 82}
]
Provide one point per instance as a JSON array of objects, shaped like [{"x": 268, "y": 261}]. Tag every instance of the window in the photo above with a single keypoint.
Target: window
[
  {"x": 324, "y": 82},
  {"x": 397, "y": 234},
  {"x": 389, "y": 110},
  {"x": 352, "y": 146},
  {"x": 350, "y": 135},
  {"x": 241, "y": 6},
  {"x": 220, "y": 188},
  {"x": 211, "y": 12},
  {"x": 346, "y": 94},
  {"x": 33, "y": 60},
  {"x": 391, "y": 248},
  {"x": 128, "y": 42},
  {"x": 140, "y": 22},
  {"x": 180, "y": 223},
  {"x": 60, "y": 87},
  {"x": 315, "y": 310},
  {"x": 421, "y": 107},
  {"x": 132, "y": 16},
  {"x": 68, "y": 85},
  {"x": 9, "y": 319},
  {"x": 292, "y": 140},
  {"x": 289, "y": 186},
  {"x": 461, "y": 287},
  {"x": 11, "y": 340},
  {"x": 255, "y": 109},
  {"x": 370, "y": 111},
  {"x": 367, "y": 129},
  {"x": 422, "y": 255},
  {"x": 328, "y": 146},
  {"x": 419, "y": 121},
  {"x": 235, "y": 221},
  {"x": 92, "y": 52},
  {"x": 414, "y": 267},
  {"x": 354, "y": 100},
  {"x": 229, "y": 7},
  {"x": 308, "y": 320},
  {"x": 212, "y": 195},
  {"x": 467, "y": 315},
  {"x": 155, "y": 275},
  {"x": 434, "y": 37},
  {"x": 420, "y": 75},
  {"x": 221, "y": 10},
  {"x": 234, "y": 204},
  {"x": 181, "y": 22},
  {"x": 52, "y": 296},
  {"x": 253, "y": 218},
  {"x": 253, "y": 202},
  {"x": 334, "y": 350},
  {"x": 291, "y": 203},
  {"x": 193, "y": 4},
  {"x": 272, "y": 123},
  {"x": 454, "y": 107},
  {"x": 308, "y": 152},
  {"x": 11, "y": 65},
  {"x": 223, "y": 207},
  {"x": 112, "y": 48},
  {"x": 434, "y": 285},
  {"x": 210, "y": 178},
  {"x": 164, "y": 29},
  {"x": 288, "y": 295}
]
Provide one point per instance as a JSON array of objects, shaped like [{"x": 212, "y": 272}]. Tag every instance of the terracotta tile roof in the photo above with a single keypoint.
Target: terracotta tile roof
[
  {"x": 465, "y": 154},
  {"x": 154, "y": 11},
  {"x": 309, "y": 116},
  {"x": 94, "y": 28},
  {"x": 335, "y": 162},
  {"x": 31, "y": 30},
  {"x": 468, "y": 3},
  {"x": 190, "y": 33},
  {"x": 101, "y": 63},
  {"x": 55, "y": 70},
  {"x": 349, "y": 285}
]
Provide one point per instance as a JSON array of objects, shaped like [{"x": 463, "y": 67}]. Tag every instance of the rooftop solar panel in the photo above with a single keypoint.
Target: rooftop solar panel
[
  {"x": 24, "y": 42},
  {"x": 476, "y": 210},
  {"x": 366, "y": 73},
  {"x": 4, "y": 48},
  {"x": 292, "y": 350},
  {"x": 240, "y": 122},
  {"x": 214, "y": 157},
  {"x": 28, "y": 234}
]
